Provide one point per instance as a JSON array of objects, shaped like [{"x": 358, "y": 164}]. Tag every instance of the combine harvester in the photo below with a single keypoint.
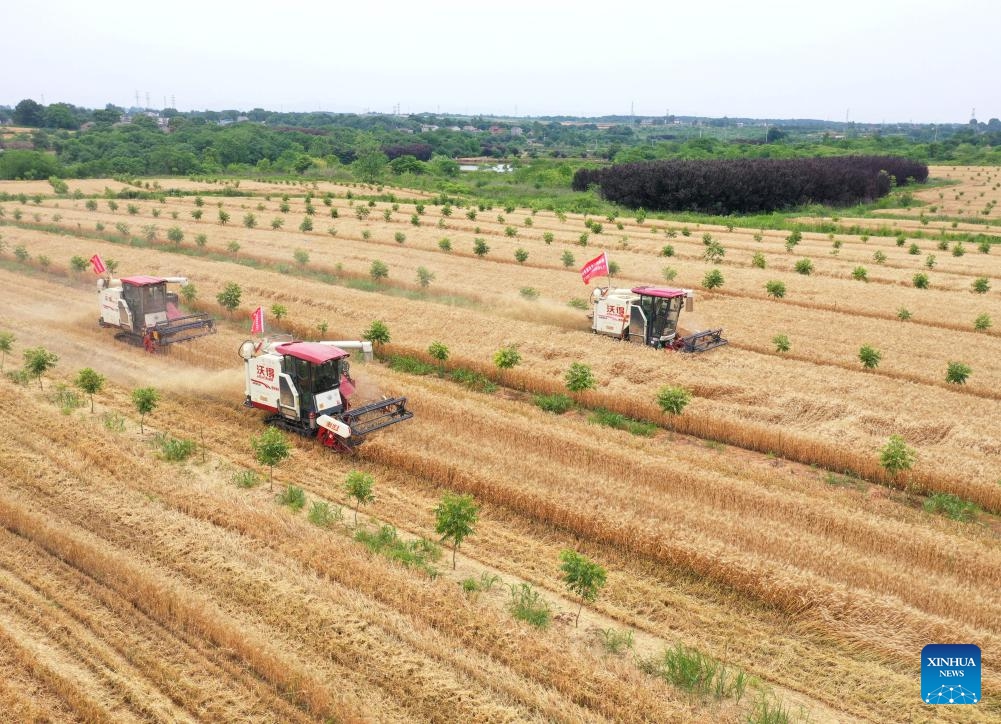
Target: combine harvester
[
  {"x": 306, "y": 386},
  {"x": 649, "y": 315},
  {"x": 146, "y": 314}
]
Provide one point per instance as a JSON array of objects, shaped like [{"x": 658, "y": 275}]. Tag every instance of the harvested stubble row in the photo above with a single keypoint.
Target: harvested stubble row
[
  {"x": 40, "y": 663},
  {"x": 175, "y": 665},
  {"x": 842, "y": 528},
  {"x": 174, "y": 605},
  {"x": 723, "y": 498},
  {"x": 96, "y": 665},
  {"x": 270, "y": 593},
  {"x": 23, "y": 697},
  {"x": 224, "y": 343}
]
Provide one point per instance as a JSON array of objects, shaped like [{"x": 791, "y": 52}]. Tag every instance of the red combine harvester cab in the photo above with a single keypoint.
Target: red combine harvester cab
[{"x": 306, "y": 387}]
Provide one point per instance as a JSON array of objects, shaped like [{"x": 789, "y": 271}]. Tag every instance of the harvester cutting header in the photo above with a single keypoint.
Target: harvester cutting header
[{"x": 306, "y": 386}]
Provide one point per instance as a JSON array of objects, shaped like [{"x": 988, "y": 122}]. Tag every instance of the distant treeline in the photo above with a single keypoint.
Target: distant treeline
[
  {"x": 743, "y": 186},
  {"x": 72, "y": 142}
]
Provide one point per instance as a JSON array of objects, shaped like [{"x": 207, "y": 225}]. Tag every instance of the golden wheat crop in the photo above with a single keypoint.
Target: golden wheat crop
[
  {"x": 726, "y": 549},
  {"x": 741, "y": 412}
]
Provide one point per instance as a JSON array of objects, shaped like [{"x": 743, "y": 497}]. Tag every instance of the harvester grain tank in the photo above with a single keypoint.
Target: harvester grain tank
[
  {"x": 649, "y": 315},
  {"x": 145, "y": 313},
  {"x": 306, "y": 388}
]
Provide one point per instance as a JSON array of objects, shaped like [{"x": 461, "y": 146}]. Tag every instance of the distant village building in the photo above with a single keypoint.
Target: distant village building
[
  {"x": 162, "y": 122},
  {"x": 516, "y": 131}
]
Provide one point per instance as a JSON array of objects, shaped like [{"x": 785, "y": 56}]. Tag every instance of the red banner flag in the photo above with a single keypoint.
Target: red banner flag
[
  {"x": 257, "y": 326},
  {"x": 97, "y": 264},
  {"x": 597, "y": 267}
]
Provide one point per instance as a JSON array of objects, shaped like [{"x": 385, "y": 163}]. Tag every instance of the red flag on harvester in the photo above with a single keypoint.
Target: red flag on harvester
[
  {"x": 257, "y": 326},
  {"x": 97, "y": 264},
  {"x": 597, "y": 267}
]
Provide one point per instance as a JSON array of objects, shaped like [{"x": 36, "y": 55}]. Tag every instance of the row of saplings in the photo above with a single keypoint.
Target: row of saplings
[
  {"x": 869, "y": 357},
  {"x": 456, "y": 516},
  {"x": 895, "y": 457},
  {"x": 579, "y": 378},
  {"x": 38, "y": 361}
]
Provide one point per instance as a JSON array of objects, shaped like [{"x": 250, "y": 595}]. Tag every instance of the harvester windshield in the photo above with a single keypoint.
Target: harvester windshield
[
  {"x": 315, "y": 368},
  {"x": 665, "y": 316},
  {"x": 655, "y": 316},
  {"x": 326, "y": 376},
  {"x": 145, "y": 297},
  {"x": 312, "y": 378}
]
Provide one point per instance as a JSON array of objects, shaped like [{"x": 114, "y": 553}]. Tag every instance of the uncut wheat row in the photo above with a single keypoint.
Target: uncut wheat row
[{"x": 741, "y": 410}]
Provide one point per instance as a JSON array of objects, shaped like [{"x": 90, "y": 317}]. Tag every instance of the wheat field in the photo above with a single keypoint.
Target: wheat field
[{"x": 758, "y": 527}]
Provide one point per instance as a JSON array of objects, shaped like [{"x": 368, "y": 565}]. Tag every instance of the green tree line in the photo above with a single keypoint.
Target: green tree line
[{"x": 73, "y": 142}]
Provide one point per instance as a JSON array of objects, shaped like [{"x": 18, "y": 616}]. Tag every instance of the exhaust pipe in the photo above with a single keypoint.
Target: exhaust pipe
[{"x": 365, "y": 347}]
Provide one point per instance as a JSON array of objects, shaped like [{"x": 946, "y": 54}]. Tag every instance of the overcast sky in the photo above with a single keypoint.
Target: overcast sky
[{"x": 871, "y": 60}]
